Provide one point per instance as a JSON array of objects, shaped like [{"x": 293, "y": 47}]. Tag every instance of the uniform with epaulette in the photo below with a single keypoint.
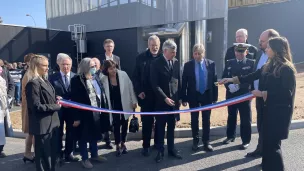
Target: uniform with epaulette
[{"x": 238, "y": 67}]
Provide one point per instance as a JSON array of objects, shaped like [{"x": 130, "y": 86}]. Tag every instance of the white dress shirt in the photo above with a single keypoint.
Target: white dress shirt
[
  {"x": 109, "y": 57},
  {"x": 262, "y": 61}
]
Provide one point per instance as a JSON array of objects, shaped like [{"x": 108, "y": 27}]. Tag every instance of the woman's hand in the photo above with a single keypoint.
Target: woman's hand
[
  {"x": 257, "y": 93},
  {"x": 225, "y": 80},
  {"x": 76, "y": 123},
  {"x": 134, "y": 106}
]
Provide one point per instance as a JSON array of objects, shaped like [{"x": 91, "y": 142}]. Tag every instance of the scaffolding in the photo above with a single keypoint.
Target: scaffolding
[{"x": 78, "y": 35}]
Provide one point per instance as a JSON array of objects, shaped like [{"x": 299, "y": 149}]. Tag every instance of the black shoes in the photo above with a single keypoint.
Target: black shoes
[
  {"x": 109, "y": 146},
  {"x": 244, "y": 146},
  {"x": 159, "y": 157},
  {"x": 25, "y": 159},
  {"x": 145, "y": 152},
  {"x": 208, "y": 147},
  {"x": 175, "y": 154},
  {"x": 195, "y": 146},
  {"x": 228, "y": 140},
  {"x": 71, "y": 158},
  {"x": 255, "y": 154},
  {"x": 2, "y": 155}
]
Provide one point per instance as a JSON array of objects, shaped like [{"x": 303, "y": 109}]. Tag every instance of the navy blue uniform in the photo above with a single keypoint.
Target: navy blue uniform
[{"x": 238, "y": 68}]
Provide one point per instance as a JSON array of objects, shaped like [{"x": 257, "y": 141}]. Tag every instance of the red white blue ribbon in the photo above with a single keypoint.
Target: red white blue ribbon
[{"x": 228, "y": 102}]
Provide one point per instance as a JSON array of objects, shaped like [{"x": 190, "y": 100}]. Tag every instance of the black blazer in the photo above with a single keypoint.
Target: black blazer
[
  {"x": 165, "y": 84},
  {"x": 42, "y": 107},
  {"x": 9, "y": 82},
  {"x": 232, "y": 69},
  {"x": 279, "y": 105},
  {"x": 116, "y": 59},
  {"x": 258, "y": 57},
  {"x": 58, "y": 84},
  {"x": 188, "y": 92},
  {"x": 90, "y": 127}
]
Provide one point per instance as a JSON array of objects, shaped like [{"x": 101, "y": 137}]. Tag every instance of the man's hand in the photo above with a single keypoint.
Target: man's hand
[
  {"x": 169, "y": 102},
  {"x": 142, "y": 95},
  {"x": 225, "y": 80},
  {"x": 76, "y": 123},
  {"x": 134, "y": 106},
  {"x": 257, "y": 93}
]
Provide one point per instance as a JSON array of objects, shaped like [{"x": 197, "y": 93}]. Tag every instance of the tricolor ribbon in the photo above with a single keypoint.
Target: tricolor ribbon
[{"x": 232, "y": 101}]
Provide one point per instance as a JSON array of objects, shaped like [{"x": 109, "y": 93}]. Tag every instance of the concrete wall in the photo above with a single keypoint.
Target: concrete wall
[
  {"x": 214, "y": 50},
  {"x": 134, "y": 14},
  {"x": 286, "y": 17}
]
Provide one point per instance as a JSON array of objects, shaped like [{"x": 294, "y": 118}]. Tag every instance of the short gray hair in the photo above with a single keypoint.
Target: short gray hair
[
  {"x": 153, "y": 37},
  {"x": 169, "y": 44},
  {"x": 84, "y": 66},
  {"x": 244, "y": 31},
  {"x": 61, "y": 57}
]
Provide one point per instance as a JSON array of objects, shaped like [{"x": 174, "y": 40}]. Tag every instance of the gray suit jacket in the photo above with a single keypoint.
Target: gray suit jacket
[{"x": 115, "y": 58}]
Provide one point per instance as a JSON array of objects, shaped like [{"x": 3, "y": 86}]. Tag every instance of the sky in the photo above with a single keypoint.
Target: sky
[{"x": 14, "y": 12}]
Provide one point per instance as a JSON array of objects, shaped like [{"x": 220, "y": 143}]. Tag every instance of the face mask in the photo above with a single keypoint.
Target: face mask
[{"x": 93, "y": 71}]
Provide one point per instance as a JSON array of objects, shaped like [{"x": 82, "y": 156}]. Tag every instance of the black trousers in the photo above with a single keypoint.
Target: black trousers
[
  {"x": 46, "y": 150},
  {"x": 200, "y": 100},
  {"x": 120, "y": 128},
  {"x": 162, "y": 120},
  {"x": 272, "y": 158},
  {"x": 70, "y": 142},
  {"x": 245, "y": 116},
  {"x": 147, "y": 126},
  {"x": 1, "y": 148},
  {"x": 259, "y": 109}
]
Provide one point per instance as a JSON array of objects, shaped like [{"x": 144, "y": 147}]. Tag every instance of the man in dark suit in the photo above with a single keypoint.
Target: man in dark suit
[
  {"x": 108, "y": 46},
  {"x": 198, "y": 89},
  {"x": 61, "y": 83},
  {"x": 165, "y": 81},
  {"x": 10, "y": 93},
  {"x": 241, "y": 36},
  {"x": 143, "y": 89},
  {"x": 261, "y": 59},
  {"x": 238, "y": 67}
]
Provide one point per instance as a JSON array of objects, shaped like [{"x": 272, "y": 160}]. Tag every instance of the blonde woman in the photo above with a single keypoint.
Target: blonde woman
[
  {"x": 29, "y": 140},
  {"x": 42, "y": 112}
]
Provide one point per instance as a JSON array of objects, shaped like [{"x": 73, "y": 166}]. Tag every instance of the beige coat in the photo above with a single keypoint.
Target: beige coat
[
  {"x": 24, "y": 114},
  {"x": 128, "y": 97}
]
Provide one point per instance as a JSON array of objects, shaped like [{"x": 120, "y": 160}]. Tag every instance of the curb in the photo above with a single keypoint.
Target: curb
[{"x": 187, "y": 133}]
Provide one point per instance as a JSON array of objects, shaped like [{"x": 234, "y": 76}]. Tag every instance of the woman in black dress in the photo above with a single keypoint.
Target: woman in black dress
[{"x": 277, "y": 85}]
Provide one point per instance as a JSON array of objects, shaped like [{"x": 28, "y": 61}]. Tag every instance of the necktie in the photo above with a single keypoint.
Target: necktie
[
  {"x": 170, "y": 65},
  {"x": 201, "y": 78},
  {"x": 66, "y": 82}
]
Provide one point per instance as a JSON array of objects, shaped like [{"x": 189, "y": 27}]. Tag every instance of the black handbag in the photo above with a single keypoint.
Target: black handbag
[{"x": 134, "y": 124}]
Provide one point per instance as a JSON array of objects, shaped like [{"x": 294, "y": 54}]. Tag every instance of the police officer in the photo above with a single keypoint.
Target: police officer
[
  {"x": 241, "y": 36},
  {"x": 238, "y": 67},
  {"x": 143, "y": 89}
]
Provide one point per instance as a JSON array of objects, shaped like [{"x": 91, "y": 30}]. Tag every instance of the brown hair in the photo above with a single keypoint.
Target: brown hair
[
  {"x": 282, "y": 56},
  {"x": 108, "y": 41},
  {"x": 106, "y": 65},
  {"x": 28, "y": 57}
]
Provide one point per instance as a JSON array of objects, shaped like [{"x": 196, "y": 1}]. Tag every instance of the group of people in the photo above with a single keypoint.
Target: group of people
[
  {"x": 157, "y": 84},
  {"x": 16, "y": 71}
]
